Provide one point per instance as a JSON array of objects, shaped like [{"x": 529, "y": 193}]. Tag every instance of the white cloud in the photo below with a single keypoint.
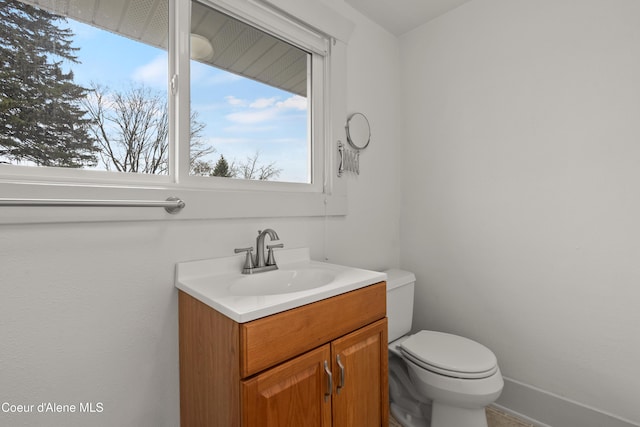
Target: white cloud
[
  {"x": 236, "y": 102},
  {"x": 251, "y": 117},
  {"x": 295, "y": 102},
  {"x": 262, "y": 110},
  {"x": 263, "y": 102},
  {"x": 254, "y": 129},
  {"x": 216, "y": 141},
  {"x": 155, "y": 73}
]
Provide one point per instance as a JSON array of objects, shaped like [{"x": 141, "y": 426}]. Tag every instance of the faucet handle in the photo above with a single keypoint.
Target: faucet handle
[
  {"x": 248, "y": 262},
  {"x": 271, "y": 259}
]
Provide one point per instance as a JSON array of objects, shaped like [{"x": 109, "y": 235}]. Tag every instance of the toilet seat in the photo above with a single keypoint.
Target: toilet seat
[{"x": 449, "y": 355}]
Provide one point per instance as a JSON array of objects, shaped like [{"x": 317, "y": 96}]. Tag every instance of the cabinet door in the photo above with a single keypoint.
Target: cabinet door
[
  {"x": 291, "y": 394},
  {"x": 360, "y": 367}
]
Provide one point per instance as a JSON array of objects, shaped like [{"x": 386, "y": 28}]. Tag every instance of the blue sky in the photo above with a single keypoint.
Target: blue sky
[{"x": 241, "y": 115}]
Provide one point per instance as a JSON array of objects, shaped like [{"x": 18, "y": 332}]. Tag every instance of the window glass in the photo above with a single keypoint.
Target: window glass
[
  {"x": 250, "y": 103},
  {"x": 83, "y": 84}
]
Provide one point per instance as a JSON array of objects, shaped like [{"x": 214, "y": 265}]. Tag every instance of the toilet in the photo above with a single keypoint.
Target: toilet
[{"x": 435, "y": 379}]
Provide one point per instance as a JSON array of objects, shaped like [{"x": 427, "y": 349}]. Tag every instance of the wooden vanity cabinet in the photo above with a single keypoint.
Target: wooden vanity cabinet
[
  {"x": 274, "y": 371},
  {"x": 291, "y": 394}
]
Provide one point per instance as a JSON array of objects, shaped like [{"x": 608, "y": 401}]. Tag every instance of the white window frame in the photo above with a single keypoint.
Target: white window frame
[
  {"x": 283, "y": 29},
  {"x": 212, "y": 198}
]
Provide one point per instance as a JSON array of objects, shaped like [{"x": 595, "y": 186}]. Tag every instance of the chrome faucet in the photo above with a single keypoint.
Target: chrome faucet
[{"x": 260, "y": 263}]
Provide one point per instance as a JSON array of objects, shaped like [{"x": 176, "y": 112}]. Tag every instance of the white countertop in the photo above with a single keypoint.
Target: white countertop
[{"x": 210, "y": 282}]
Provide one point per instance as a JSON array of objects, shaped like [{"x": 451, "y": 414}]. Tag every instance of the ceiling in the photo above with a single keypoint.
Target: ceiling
[
  {"x": 401, "y": 16},
  {"x": 250, "y": 52},
  {"x": 237, "y": 47}
]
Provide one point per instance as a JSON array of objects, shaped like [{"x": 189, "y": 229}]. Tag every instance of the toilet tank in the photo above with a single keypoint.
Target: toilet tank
[{"x": 400, "y": 286}]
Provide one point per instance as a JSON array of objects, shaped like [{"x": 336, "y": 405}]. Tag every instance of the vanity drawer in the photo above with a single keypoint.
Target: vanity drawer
[{"x": 271, "y": 340}]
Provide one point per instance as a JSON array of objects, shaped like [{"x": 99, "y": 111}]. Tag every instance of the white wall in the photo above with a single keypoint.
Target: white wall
[
  {"x": 521, "y": 178},
  {"x": 88, "y": 311},
  {"x": 370, "y": 235}
]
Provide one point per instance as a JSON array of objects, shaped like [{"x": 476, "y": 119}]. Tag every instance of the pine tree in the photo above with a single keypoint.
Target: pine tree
[
  {"x": 222, "y": 168},
  {"x": 41, "y": 120}
]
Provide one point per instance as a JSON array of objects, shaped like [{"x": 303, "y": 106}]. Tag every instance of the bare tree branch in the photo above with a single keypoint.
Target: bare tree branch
[
  {"x": 251, "y": 169},
  {"x": 131, "y": 128}
]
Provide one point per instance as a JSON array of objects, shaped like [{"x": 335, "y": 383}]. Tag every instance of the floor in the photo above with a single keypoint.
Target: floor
[{"x": 495, "y": 418}]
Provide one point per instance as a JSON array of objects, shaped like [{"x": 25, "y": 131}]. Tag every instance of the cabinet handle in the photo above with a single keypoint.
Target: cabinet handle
[
  {"x": 341, "y": 366},
  {"x": 327, "y": 394}
]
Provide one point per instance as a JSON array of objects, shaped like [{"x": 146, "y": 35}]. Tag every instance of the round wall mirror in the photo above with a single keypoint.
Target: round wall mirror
[{"x": 358, "y": 131}]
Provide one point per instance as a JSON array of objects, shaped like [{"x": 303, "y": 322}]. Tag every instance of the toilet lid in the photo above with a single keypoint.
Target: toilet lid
[{"x": 449, "y": 355}]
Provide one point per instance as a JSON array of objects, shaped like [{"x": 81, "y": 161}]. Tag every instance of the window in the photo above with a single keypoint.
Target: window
[
  {"x": 124, "y": 99},
  {"x": 86, "y": 90},
  {"x": 249, "y": 101}
]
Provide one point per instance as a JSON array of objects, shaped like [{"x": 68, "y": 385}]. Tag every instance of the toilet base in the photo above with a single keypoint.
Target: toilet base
[
  {"x": 406, "y": 418},
  {"x": 443, "y": 415}
]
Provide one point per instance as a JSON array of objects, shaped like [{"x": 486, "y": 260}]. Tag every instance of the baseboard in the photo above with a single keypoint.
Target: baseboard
[{"x": 544, "y": 409}]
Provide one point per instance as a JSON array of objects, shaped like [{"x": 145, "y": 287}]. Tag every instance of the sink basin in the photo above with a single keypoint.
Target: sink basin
[
  {"x": 281, "y": 281},
  {"x": 218, "y": 283}
]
